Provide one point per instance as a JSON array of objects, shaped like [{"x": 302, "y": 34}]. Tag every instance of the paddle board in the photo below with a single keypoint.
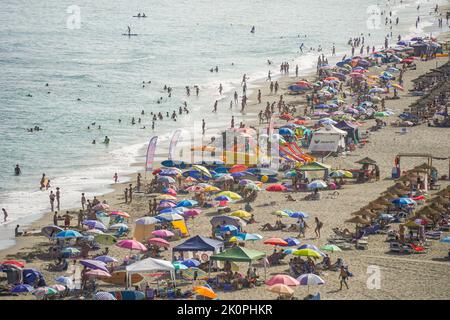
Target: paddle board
[
  {"x": 131, "y": 34},
  {"x": 119, "y": 278},
  {"x": 139, "y": 17},
  {"x": 128, "y": 295}
]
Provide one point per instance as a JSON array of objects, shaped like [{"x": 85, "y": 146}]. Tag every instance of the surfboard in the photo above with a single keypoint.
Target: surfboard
[
  {"x": 129, "y": 34},
  {"x": 119, "y": 278},
  {"x": 128, "y": 295}
]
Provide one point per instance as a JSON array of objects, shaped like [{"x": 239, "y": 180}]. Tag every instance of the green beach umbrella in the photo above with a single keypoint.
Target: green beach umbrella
[{"x": 330, "y": 248}]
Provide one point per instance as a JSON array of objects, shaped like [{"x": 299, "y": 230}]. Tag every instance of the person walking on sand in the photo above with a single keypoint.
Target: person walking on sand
[
  {"x": 130, "y": 192},
  {"x": 259, "y": 96},
  {"x": 276, "y": 87},
  {"x": 271, "y": 87},
  {"x": 58, "y": 197},
  {"x": 302, "y": 227},
  {"x": 80, "y": 218},
  {"x": 126, "y": 195},
  {"x": 138, "y": 182},
  {"x": 203, "y": 126},
  {"x": 55, "y": 218},
  {"x": 52, "y": 200},
  {"x": 5, "y": 214},
  {"x": 319, "y": 225},
  {"x": 83, "y": 200},
  {"x": 343, "y": 275}
]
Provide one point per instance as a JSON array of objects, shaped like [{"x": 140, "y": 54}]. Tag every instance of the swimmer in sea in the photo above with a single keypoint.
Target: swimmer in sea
[{"x": 106, "y": 141}]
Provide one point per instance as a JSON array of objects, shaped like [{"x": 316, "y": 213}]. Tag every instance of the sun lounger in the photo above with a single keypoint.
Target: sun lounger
[
  {"x": 362, "y": 245},
  {"x": 435, "y": 235}
]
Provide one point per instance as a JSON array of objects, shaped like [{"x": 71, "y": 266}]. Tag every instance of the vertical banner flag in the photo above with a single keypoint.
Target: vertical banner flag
[
  {"x": 151, "y": 153},
  {"x": 173, "y": 143}
]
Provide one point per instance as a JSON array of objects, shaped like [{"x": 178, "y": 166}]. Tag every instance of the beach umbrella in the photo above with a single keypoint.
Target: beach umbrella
[
  {"x": 165, "y": 179},
  {"x": 94, "y": 224},
  {"x": 166, "y": 204},
  {"x": 292, "y": 242},
  {"x": 132, "y": 245},
  {"x": 276, "y": 242},
  {"x": 290, "y": 174},
  {"x": 241, "y": 214},
  {"x": 22, "y": 288},
  {"x": 238, "y": 168},
  {"x": 205, "y": 291},
  {"x": 282, "y": 279},
  {"x": 68, "y": 282},
  {"x": 94, "y": 264},
  {"x": 281, "y": 289},
  {"x": 120, "y": 214},
  {"x": 341, "y": 173},
  {"x": 358, "y": 220},
  {"x": 169, "y": 172},
  {"x": 159, "y": 242},
  {"x": 118, "y": 226},
  {"x": 13, "y": 263},
  {"x": 94, "y": 231},
  {"x": 173, "y": 210},
  {"x": 238, "y": 175},
  {"x": 162, "y": 233},
  {"x": 190, "y": 179},
  {"x": 330, "y": 248},
  {"x": 252, "y": 186},
  {"x": 445, "y": 240},
  {"x": 102, "y": 295},
  {"x": 248, "y": 237},
  {"x": 67, "y": 234},
  {"x": 191, "y": 213},
  {"x": 98, "y": 273},
  {"x": 58, "y": 287},
  {"x": 307, "y": 253},
  {"x": 106, "y": 259},
  {"x": 179, "y": 266},
  {"x": 229, "y": 194},
  {"x": 298, "y": 214},
  {"x": 100, "y": 207},
  {"x": 280, "y": 213},
  {"x": 105, "y": 239},
  {"x": 211, "y": 189},
  {"x": 310, "y": 279},
  {"x": 194, "y": 189},
  {"x": 202, "y": 170},
  {"x": 403, "y": 201},
  {"x": 228, "y": 228},
  {"x": 169, "y": 216},
  {"x": 70, "y": 252},
  {"x": 170, "y": 191},
  {"x": 44, "y": 291},
  {"x": 276, "y": 188},
  {"x": 187, "y": 203},
  {"x": 317, "y": 184},
  {"x": 190, "y": 263},
  {"x": 165, "y": 197}
]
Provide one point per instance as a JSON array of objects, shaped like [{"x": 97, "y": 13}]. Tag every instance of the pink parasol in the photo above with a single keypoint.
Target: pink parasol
[
  {"x": 162, "y": 233},
  {"x": 159, "y": 242},
  {"x": 132, "y": 245},
  {"x": 98, "y": 273},
  {"x": 120, "y": 213}
]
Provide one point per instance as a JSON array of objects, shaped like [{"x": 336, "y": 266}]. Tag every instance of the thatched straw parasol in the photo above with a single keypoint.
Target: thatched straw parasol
[
  {"x": 382, "y": 201},
  {"x": 366, "y": 160},
  {"x": 439, "y": 200}
]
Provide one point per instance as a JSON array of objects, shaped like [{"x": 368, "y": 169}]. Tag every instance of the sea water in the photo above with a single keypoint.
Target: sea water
[{"x": 95, "y": 74}]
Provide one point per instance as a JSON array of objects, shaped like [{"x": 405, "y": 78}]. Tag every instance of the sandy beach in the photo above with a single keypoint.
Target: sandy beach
[{"x": 414, "y": 276}]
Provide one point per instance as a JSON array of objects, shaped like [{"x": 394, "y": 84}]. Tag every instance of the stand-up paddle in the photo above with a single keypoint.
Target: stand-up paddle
[{"x": 129, "y": 33}]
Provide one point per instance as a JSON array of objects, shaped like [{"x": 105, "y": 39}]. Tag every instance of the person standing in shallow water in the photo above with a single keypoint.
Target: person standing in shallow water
[
  {"x": 58, "y": 196},
  {"x": 5, "y": 214},
  {"x": 52, "y": 200},
  {"x": 116, "y": 177}
]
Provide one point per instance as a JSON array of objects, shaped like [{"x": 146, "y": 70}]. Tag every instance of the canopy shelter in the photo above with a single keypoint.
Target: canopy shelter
[
  {"x": 327, "y": 139},
  {"x": 149, "y": 265},
  {"x": 351, "y": 129},
  {"x": 314, "y": 167},
  {"x": 199, "y": 243},
  {"x": 239, "y": 254},
  {"x": 227, "y": 220}
]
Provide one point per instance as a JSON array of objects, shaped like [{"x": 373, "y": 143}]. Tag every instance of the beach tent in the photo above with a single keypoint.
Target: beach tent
[
  {"x": 149, "y": 265},
  {"x": 199, "y": 243},
  {"x": 144, "y": 227},
  {"x": 350, "y": 128},
  {"x": 327, "y": 139},
  {"x": 239, "y": 254}
]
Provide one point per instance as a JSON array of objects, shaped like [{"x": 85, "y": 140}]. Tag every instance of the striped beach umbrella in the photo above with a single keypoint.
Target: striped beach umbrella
[{"x": 102, "y": 295}]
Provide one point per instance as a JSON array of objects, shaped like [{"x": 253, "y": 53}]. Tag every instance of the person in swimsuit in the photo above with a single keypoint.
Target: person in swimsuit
[{"x": 17, "y": 170}]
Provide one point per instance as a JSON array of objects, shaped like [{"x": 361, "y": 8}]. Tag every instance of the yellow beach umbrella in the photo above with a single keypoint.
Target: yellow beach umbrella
[
  {"x": 229, "y": 194},
  {"x": 165, "y": 197},
  {"x": 281, "y": 289},
  {"x": 306, "y": 253},
  {"x": 241, "y": 214},
  {"x": 211, "y": 189},
  {"x": 280, "y": 213},
  {"x": 202, "y": 169}
]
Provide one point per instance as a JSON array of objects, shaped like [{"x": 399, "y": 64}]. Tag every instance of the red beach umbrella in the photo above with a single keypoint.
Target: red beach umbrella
[
  {"x": 276, "y": 188},
  {"x": 276, "y": 242}
]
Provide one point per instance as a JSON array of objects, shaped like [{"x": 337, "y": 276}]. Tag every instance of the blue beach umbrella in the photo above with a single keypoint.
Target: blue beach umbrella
[
  {"x": 22, "y": 288},
  {"x": 191, "y": 263},
  {"x": 187, "y": 203},
  {"x": 67, "y": 234},
  {"x": 291, "y": 242},
  {"x": 222, "y": 198},
  {"x": 228, "y": 227},
  {"x": 299, "y": 214},
  {"x": 445, "y": 240}
]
